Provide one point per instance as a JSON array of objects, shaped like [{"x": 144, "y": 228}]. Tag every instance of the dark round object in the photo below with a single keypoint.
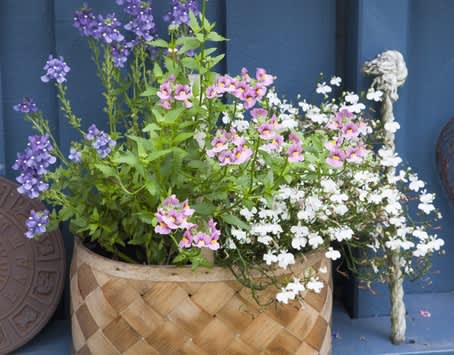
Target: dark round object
[
  {"x": 445, "y": 158},
  {"x": 32, "y": 272}
]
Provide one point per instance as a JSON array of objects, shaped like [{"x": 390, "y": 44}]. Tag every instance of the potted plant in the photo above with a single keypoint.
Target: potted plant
[{"x": 207, "y": 211}]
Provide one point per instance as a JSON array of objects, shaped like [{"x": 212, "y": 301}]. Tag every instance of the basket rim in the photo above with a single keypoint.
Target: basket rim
[{"x": 172, "y": 273}]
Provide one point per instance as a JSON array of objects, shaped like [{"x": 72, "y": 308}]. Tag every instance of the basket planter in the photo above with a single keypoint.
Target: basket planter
[{"x": 119, "y": 308}]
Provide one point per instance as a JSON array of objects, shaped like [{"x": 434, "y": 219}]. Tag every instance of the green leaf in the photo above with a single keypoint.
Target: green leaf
[
  {"x": 157, "y": 71},
  {"x": 159, "y": 43},
  {"x": 190, "y": 63},
  {"x": 128, "y": 158},
  {"x": 204, "y": 209},
  {"x": 107, "y": 170},
  {"x": 158, "y": 154},
  {"x": 151, "y": 127},
  {"x": 215, "y": 37},
  {"x": 182, "y": 137},
  {"x": 149, "y": 92},
  {"x": 188, "y": 43},
  {"x": 234, "y": 220},
  {"x": 152, "y": 187},
  {"x": 193, "y": 23},
  {"x": 216, "y": 59}
]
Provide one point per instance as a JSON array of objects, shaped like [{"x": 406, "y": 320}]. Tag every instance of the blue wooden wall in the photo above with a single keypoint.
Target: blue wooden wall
[{"x": 293, "y": 39}]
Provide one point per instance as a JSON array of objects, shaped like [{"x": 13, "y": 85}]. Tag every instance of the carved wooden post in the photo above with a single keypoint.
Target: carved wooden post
[{"x": 390, "y": 72}]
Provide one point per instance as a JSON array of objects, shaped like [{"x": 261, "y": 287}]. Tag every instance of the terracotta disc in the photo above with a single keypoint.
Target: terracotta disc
[{"x": 32, "y": 272}]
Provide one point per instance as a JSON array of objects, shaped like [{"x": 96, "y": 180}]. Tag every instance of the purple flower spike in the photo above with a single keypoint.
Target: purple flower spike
[
  {"x": 120, "y": 54},
  {"x": 142, "y": 24},
  {"x": 36, "y": 223},
  {"x": 179, "y": 11},
  {"x": 104, "y": 144},
  {"x": 56, "y": 69},
  {"x": 26, "y": 106},
  {"x": 85, "y": 21}
]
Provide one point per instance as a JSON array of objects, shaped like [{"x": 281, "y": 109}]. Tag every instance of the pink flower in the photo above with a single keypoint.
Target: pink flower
[
  {"x": 186, "y": 240},
  {"x": 240, "y": 88},
  {"x": 294, "y": 153},
  {"x": 165, "y": 91},
  {"x": 350, "y": 130},
  {"x": 171, "y": 201},
  {"x": 173, "y": 215},
  {"x": 222, "y": 83},
  {"x": 219, "y": 144},
  {"x": 335, "y": 123},
  {"x": 275, "y": 144},
  {"x": 226, "y": 158},
  {"x": 294, "y": 138},
  {"x": 183, "y": 93},
  {"x": 259, "y": 112},
  {"x": 260, "y": 90},
  {"x": 353, "y": 156},
  {"x": 335, "y": 143},
  {"x": 232, "y": 84},
  {"x": 213, "y": 92},
  {"x": 263, "y": 77},
  {"x": 201, "y": 240},
  {"x": 266, "y": 131},
  {"x": 245, "y": 75},
  {"x": 361, "y": 150},
  {"x": 343, "y": 114},
  {"x": 336, "y": 158},
  {"x": 167, "y": 104},
  {"x": 242, "y": 154},
  {"x": 249, "y": 99}
]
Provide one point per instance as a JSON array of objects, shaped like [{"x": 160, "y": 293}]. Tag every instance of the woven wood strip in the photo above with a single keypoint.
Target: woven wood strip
[{"x": 165, "y": 310}]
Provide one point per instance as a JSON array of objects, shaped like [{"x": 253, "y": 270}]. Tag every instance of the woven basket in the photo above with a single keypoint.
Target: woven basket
[{"x": 119, "y": 308}]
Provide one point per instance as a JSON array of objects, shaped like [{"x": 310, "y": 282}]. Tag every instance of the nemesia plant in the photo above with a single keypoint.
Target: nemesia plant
[{"x": 195, "y": 160}]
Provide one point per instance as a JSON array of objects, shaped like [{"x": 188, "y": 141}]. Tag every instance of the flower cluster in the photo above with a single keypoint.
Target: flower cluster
[
  {"x": 179, "y": 11},
  {"x": 101, "y": 141},
  {"x": 85, "y": 21},
  {"x": 56, "y": 69},
  {"x": 173, "y": 215},
  {"x": 248, "y": 91},
  {"x": 229, "y": 148},
  {"x": 142, "y": 22},
  {"x": 201, "y": 238},
  {"x": 169, "y": 92},
  {"x": 26, "y": 106},
  {"x": 36, "y": 223},
  {"x": 33, "y": 164}
]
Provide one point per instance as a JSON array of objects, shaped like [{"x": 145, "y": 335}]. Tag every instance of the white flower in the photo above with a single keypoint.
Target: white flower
[
  {"x": 355, "y": 108},
  {"x": 415, "y": 183},
  {"x": 426, "y": 202},
  {"x": 315, "y": 240},
  {"x": 393, "y": 208},
  {"x": 240, "y": 125},
  {"x": 289, "y": 123},
  {"x": 335, "y": 80},
  {"x": 240, "y": 235},
  {"x": 397, "y": 221},
  {"x": 374, "y": 95},
  {"x": 304, "y": 106},
  {"x": 296, "y": 286},
  {"x": 307, "y": 214},
  {"x": 247, "y": 214},
  {"x": 299, "y": 242},
  {"x": 420, "y": 234},
  {"x": 323, "y": 88},
  {"x": 316, "y": 116},
  {"x": 314, "y": 202},
  {"x": 351, "y": 98},
  {"x": 389, "y": 158},
  {"x": 264, "y": 239},
  {"x": 315, "y": 285},
  {"x": 329, "y": 186},
  {"x": 285, "y": 259},
  {"x": 199, "y": 136},
  {"x": 225, "y": 118},
  {"x": 269, "y": 257},
  {"x": 339, "y": 198},
  {"x": 340, "y": 209},
  {"x": 332, "y": 254},
  {"x": 284, "y": 296},
  {"x": 344, "y": 233},
  {"x": 392, "y": 126},
  {"x": 323, "y": 270}
]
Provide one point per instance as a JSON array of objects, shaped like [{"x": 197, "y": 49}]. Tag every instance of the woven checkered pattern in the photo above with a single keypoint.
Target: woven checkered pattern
[{"x": 114, "y": 315}]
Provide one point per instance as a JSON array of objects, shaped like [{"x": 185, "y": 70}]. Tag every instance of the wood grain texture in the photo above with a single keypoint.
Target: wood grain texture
[{"x": 120, "y": 308}]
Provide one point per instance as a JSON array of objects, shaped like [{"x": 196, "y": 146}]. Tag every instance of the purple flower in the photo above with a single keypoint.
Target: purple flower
[
  {"x": 132, "y": 8},
  {"x": 275, "y": 144},
  {"x": 336, "y": 158},
  {"x": 56, "y": 69},
  {"x": 186, "y": 241},
  {"x": 266, "y": 131},
  {"x": 26, "y": 106},
  {"x": 294, "y": 153},
  {"x": 120, "y": 53},
  {"x": 103, "y": 144},
  {"x": 85, "y": 21},
  {"x": 294, "y": 138},
  {"x": 179, "y": 11},
  {"x": 183, "y": 93},
  {"x": 350, "y": 130},
  {"x": 249, "y": 98},
  {"x": 107, "y": 29},
  {"x": 74, "y": 155},
  {"x": 213, "y": 92},
  {"x": 165, "y": 91},
  {"x": 259, "y": 112},
  {"x": 142, "y": 24},
  {"x": 31, "y": 184},
  {"x": 36, "y": 223},
  {"x": 93, "y": 132}
]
